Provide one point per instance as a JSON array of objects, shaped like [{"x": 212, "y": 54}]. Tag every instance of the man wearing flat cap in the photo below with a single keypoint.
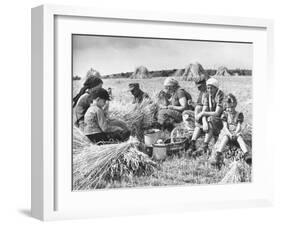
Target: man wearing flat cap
[{"x": 138, "y": 94}]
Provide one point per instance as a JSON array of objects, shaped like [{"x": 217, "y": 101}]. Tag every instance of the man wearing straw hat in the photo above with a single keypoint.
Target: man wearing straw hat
[
  {"x": 210, "y": 116},
  {"x": 138, "y": 94}
]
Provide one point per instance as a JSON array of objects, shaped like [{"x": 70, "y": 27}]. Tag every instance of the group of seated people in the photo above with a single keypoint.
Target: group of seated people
[
  {"x": 91, "y": 113},
  {"x": 213, "y": 113},
  {"x": 216, "y": 114}
]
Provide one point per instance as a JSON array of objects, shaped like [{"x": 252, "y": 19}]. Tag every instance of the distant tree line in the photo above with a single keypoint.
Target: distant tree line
[
  {"x": 241, "y": 72},
  {"x": 76, "y": 77}
]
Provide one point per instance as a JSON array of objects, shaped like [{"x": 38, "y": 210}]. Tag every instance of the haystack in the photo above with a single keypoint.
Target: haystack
[
  {"x": 92, "y": 72},
  {"x": 178, "y": 73},
  {"x": 140, "y": 72},
  {"x": 223, "y": 71},
  {"x": 194, "y": 72},
  {"x": 238, "y": 172}
]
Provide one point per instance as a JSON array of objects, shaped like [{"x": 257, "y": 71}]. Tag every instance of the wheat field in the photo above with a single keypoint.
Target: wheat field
[{"x": 178, "y": 170}]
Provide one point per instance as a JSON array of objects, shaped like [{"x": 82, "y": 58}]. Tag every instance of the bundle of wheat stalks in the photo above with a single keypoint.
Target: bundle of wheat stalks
[
  {"x": 80, "y": 141},
  {"x": 239, "y": 172},
  {"x": 97, "y": 166},
  {"x": 138, "y": 118},
  {"x": 247, "y": 134}
]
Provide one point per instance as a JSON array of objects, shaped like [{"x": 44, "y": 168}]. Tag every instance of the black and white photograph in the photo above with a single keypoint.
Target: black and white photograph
[{"x": 160, "y": 112}]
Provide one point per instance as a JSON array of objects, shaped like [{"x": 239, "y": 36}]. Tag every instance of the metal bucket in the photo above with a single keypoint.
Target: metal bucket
[
  {"x": 151, "y": 137},
  {"x": 160, "y": 151}
]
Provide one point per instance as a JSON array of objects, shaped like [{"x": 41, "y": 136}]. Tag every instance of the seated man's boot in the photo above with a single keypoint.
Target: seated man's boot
[
  {"x": 192, "y": 147},
  {"x": 203, "y": 149},
  {"x": 248, "y": 157}
]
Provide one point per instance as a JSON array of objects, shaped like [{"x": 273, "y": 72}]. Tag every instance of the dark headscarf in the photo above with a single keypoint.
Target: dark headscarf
[{"x": 90, "y": 82}]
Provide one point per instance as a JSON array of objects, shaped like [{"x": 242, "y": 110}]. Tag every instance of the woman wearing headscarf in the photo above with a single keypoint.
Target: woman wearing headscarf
[
  {"x": 83, "y": 99},
  {"x": 176, "y": 101},
  {"x": 210, "y": 116}
]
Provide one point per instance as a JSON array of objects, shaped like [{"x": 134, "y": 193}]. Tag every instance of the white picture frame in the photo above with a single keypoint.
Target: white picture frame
[{"x": 52, "y": 198}]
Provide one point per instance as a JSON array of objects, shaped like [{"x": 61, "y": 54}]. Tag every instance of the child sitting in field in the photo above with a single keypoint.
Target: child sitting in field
[
  {"x": 232, "y": 121},
  {"x": 185, "y": 129},
  {"x": 98, "y": 127}
]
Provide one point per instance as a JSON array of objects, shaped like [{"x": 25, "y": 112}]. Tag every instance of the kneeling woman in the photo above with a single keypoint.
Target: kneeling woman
[
  {"x": 98, "y": 127},
  {"x": 176, "y": 101},
  {"x": 83, "y": 100}
]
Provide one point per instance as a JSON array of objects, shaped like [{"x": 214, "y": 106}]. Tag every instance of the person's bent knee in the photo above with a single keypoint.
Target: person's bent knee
[
  {"x": 226, "y": 138},
  {"x": 215, "y": 124}
]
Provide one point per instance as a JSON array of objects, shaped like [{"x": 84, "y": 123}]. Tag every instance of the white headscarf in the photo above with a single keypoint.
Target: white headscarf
[
  {"x": 213, "y": 82},
  {"x": 171, "y": 82}
]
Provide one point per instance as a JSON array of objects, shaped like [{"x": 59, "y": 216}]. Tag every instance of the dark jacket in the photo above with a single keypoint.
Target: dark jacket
[
  {"x": 140, "y": 97},
  {"x": 82, "y": 106}
]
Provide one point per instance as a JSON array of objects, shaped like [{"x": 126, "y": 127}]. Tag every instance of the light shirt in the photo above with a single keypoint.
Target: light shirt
[{"x": 95, "y": 120}]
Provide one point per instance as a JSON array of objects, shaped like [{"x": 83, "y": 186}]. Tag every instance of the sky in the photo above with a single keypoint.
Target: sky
[{"x": 110, "y": 55}]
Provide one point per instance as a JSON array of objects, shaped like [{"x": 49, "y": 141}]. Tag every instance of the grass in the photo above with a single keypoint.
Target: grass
[{"x": 177, "y": 170}]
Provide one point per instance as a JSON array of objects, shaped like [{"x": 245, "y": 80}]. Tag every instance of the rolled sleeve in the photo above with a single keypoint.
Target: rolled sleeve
[{"x": 219, "y": 98}]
